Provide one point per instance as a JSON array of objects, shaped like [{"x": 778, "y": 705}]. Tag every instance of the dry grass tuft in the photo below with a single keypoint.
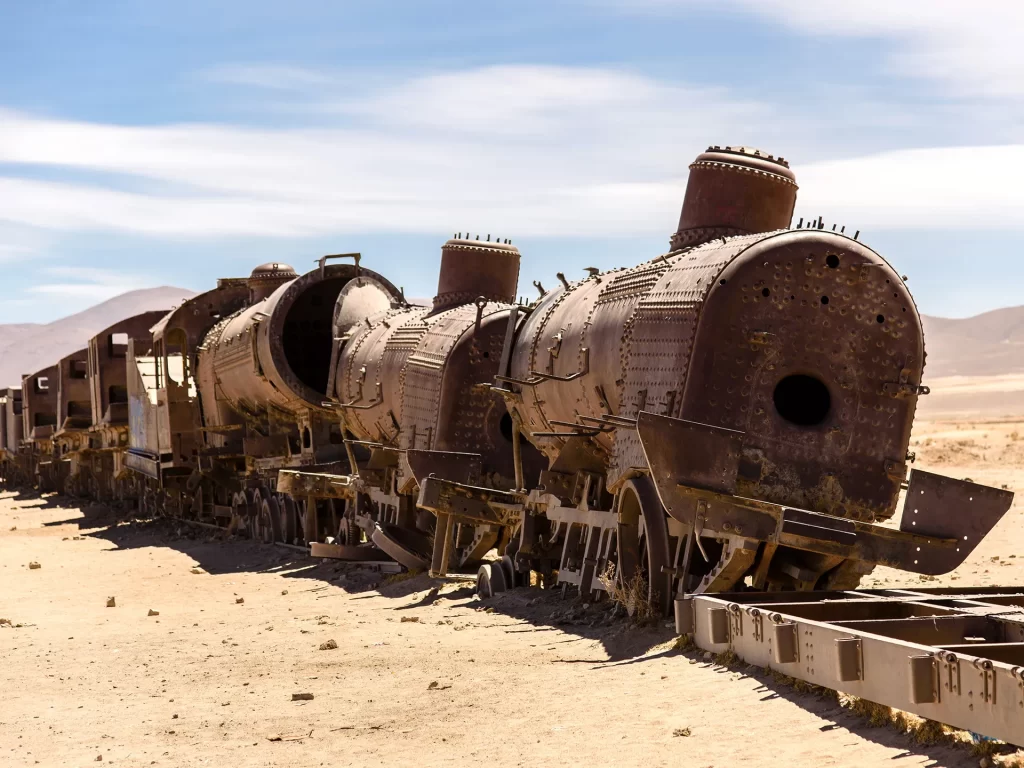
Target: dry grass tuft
[
  {"x": 681, "y": 732},
  {"x": 878, "y": 715},
  {"x": 802, "y": 686},
  {"x": 726, "y": 658},
  {"x": 927, "y": 732},
  {"x": 683, "y": 643},
  {"x": 632, "y": 596},
  {"x": 921, "y": 730}
]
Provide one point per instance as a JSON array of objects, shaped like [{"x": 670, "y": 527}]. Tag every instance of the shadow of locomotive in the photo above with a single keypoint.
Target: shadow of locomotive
[
  {"x": 36, "y": 500},
  {"x": 536, "y": 610}
]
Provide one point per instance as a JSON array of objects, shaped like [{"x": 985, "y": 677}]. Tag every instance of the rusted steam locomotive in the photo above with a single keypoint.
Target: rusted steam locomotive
[{"x": 731, "y": 415}]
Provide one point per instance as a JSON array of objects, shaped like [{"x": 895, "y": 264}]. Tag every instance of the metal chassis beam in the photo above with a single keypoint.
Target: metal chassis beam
[{"x": 956, "y": 657}]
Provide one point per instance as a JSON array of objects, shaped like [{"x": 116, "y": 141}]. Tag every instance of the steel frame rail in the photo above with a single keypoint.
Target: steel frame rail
[{"x": 951, "y": 655}]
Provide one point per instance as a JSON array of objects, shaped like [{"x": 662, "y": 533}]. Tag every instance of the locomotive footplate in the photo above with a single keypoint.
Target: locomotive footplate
[
  {"x": 471, "y": 504},
  {"x": 324, "y": 481},
  {"x": 695, "y": 467}
]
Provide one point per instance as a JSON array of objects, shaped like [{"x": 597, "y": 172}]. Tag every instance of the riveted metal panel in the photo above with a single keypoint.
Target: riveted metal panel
[{"x": 816, "y": 307}]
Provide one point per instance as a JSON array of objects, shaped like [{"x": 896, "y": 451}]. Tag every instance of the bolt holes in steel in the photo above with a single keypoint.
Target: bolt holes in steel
[
  {"x": 824, "y": 299},
  {"x": 765, "y": 292},
  {"x": 802, "y": 400},
  {"x": 880, "y": 319},
  {"x": 832, "y": 261}
]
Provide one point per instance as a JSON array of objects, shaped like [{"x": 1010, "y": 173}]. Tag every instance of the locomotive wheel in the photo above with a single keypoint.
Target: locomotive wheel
[
  {"x": 239, "y": 515},
  {"x": 509, "y": 570},
  {"x": 643, "y": 549},
  {"x": 484, "y": 588},
  {"x": 268, "y": 521},
  {"x": 288, "y": 523},
  {"x": 253, "y": 514},
  {"x": 349, "y": 533},
  {"x": 490, "y": 580},
  {"x": 411, "y": 549}
]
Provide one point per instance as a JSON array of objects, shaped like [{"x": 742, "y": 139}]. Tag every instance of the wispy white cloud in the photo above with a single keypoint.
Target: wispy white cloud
[
  {"x": 274, "y": 76},
  {"x": 516, "y": 150},
  {"x": 971, "y": 46},
  {"x": 529, "y": 150}
]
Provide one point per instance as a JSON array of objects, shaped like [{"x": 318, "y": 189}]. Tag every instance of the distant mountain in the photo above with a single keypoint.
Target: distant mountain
[
  {"x": 990, "y": 344},
  {"x": 27, "y": 347}
]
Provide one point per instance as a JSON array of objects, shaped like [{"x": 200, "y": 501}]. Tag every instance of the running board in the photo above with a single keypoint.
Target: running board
[{"x": 695, "y": 467}]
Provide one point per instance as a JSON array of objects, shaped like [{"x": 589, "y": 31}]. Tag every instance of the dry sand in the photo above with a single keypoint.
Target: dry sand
[{"x": 510, "y": 681}]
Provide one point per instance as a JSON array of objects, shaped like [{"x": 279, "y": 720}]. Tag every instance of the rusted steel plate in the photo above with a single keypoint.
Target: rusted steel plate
[
  {"x": 411, "y": 549},
  {"x": 687, "y": 453},
  {"x": 344, "y": 552}
]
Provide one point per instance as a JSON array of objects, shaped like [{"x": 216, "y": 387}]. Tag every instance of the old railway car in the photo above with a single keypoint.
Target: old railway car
[
  {"x": 39, "y": 422},
  {"x": 747, "y": 396},
  {"x": 11, "y": 430},
  {"x": 92, "y": 403},
  {"x": 234, "y": 390}
]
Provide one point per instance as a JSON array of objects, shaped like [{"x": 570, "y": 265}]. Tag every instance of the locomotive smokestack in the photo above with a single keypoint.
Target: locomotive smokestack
[
  {"x": 474, "y": 268},
  {"x": 266, "y": 278},
  {"x": 735, "y": 191}
]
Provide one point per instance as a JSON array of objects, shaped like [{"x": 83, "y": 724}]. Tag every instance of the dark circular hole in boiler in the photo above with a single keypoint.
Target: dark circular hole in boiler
[
  {"x": 880, "y": 318},
  {"x": 765, "y": 292},
  {"x": 802, "y": 400},
  {"x": 824, "y": 299},
  {"x": 505, "y": 425},
  {"x": 832, "y": 261}
]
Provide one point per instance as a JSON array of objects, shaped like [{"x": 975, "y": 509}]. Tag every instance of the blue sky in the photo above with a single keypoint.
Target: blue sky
[{"x": 154, "y": 143}]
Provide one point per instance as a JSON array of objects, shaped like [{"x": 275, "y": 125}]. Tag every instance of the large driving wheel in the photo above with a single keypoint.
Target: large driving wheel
[{"x": 643, "y": 547}]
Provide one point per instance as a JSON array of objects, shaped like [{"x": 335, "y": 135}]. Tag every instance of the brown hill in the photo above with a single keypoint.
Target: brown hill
[
  {"x": 27, "y": 347},
  {"x": 990, "y": 344}
]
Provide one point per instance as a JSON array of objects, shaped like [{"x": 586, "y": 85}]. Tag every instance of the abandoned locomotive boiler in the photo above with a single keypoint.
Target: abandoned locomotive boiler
[{"x": 747, "y": 397}]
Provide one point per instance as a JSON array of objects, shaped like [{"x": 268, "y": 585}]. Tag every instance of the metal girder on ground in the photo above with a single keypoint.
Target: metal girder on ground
[{"x": 954, "y": 656}]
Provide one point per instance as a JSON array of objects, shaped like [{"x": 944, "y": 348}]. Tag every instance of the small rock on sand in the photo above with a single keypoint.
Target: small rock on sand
[
  {"x": 239, "y": 600},
  {"x": 708, "y": 656},
  {"x": 302, "y": 697},
  {"x": 284, "y": 591},
  {"x": 153, "y": 613},
  {"x": 196, "y": 571},
  {"x": 330, "y": 645},
  {"x": 410, "y": 618},
  {"x": 111, "y": 603},
  {"x": 33, "y": 566}
]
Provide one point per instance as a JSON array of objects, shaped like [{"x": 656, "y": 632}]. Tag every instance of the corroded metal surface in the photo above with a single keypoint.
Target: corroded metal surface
[{"x": 747, "y": 397}]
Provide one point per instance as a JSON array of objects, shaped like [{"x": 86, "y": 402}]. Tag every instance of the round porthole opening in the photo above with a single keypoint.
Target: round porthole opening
[{"x": 802, "y": 400}]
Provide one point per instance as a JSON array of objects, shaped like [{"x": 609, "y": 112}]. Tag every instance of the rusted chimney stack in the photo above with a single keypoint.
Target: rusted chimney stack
[
  {"x": 266, "y": 279},
  {"x": 474, "y": 268},
  {"x": 735, "y": 191}
]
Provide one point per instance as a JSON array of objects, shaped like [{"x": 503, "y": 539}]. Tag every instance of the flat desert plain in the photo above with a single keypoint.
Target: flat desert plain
[{"x": 208, "y": 642}]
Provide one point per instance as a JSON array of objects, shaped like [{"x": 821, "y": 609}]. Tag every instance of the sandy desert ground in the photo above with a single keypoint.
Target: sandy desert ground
[{"x": 424, "y": 673}]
